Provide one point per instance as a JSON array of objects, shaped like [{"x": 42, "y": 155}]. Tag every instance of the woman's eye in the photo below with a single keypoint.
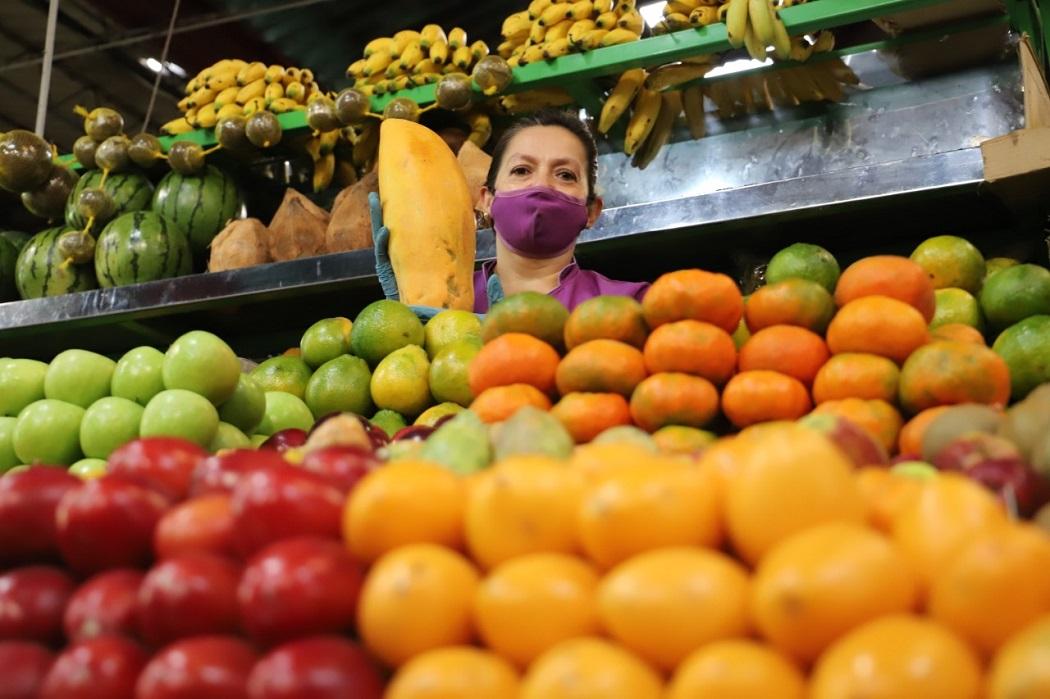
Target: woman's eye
[
  {"x": 568, "y": 176},
  {"x": 519, "y": 170}
]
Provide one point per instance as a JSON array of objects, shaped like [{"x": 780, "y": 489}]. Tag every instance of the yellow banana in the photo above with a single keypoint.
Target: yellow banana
[
  {"x": 282, "y": 105},
  {"x": 606, "y": 20},
  {"x": 295, "y": 91},
  {"x": 324, "y": 171},
  {"x": 532, "y": 54},
  {"x": 274, "y": 91},
  {"x": 227, "y": 96},
  {"x": 457, "y": 37},
  {"x": 356, "y": 69},
  {"x": 537, "y": 34},
  {"x": 251, "y": 72},
  {"x": 631, "y": 21},
  {"x": 377, "y": 63},
  {"x": 557, "y": 48},
  {"x": 462, "y": 57},
  {"x": 367, "y": 143},
  {"x": 677, "y": 21},
  {"x": 306, "y": 77},
  {"x": 603, "y": 6},
  {"x": 313, "y": 147},
  {"x": 825, "y": 41},
  {"x": 384, "y": 43},
  {"x": 505, "y": 49},
  {"x": 177, "y": 126},
  {"x": 222, "y": 66},
  {"x": 583, "y": 9},
  {"x": 431, "y": 34},
  {"x": 291, "y": 74},
  {"x": 191, "y": 117},
  {"x": 516, "y": 26},
  {"x": 274, "y": 74},
  {"x": 255, "y": 104},
  {"x": 646, "y": 109},
  {"x": 251, "y": 91},
  {"x": 781, "y": 40},
  {"x": 755, "y": 48},
  {"x": 480, "y": 128},
  {"x": 207, "y": 116},
  {"x": 184, "y": 104},
  {"x": 194, "y": 84},
  {"x": 670, "y": 108},
  {"x": 228, "y": 111},
  {"x": 693, "y": 104},
  {"x": 534, "y": 100},
  {"x": 801, "y": 50},
  {"x": 558, "y": 31},
  {"x": 622, "y": 6},
  {"x": 703, "y": 16},
  {"x": 593, "y": 39},
  {"x": 515, "y": 61},
  {"x": 760, "y": 14},
  {"x": 618, "y": 101},
  {"x": 221, "y": 81},
  {"x": 537, "y": 8},
  {"x": 675, "y": 74},
  {"x": 405, "y": 38},
  {"x": 479, "y": 49},
  {"x": 554, "y": 14},
  {"x": 619, "y": 36},
  {"x": 425, "y": 67},
  {"x": 578, "y": 30},
  {"x": 439, "y": 52},
  {"x": 683, "y": 7},
  {"x": 202, "y": 97},
  {"x": 412, "y": 55},
  {"x": 736, "y": 22},
  {"x": 328, "y": 141}
]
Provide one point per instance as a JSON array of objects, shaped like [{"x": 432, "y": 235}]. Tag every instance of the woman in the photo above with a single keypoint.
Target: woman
[{"x": 539, "y": 195}]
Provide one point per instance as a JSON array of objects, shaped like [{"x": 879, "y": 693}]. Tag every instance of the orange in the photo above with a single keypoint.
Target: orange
[
  {"x": 501, "y": 402},
  {"x": 737, "y": 669},
  {"x": 590, "y": 668},
  {"x": 951, "y": 261},
  {"x": 601, "y": 366},
  {"x": 994, "y": 585},
  {"x": 665, "y": 604},
  {"x": 789, "y": 478},
  {"x": 458, "y": 672},
  {"x": 693, "y": 294},
  {"x": 786, "y": 349},
  {"x": 959, "y": 332},
  {"x": 416, "y": 598},
  {"x": 606, "y": 317},
  {"x": 678, "y": 439},
  {"x": 691, "y": 347},
  {"x": 525, "y": 504},
  {"x": 751, "y": 397},
  {"x": 673, "y": 399},
  {"x": 880, "y": 419},
  {"x": 596, "y": 461},
  {"x": 888, "y": 275},
  {"x": 639, "y": 508},
  {"x": 530, "y": 604},
  {"x": 825, "y": 581},
  {"x": 370, "y": 531},
  {"x": 878, "y": 325},
  {"x": 854, "y": 375},
  {"x": 793, "y": 301},
  {"x": 1021, "y": 669},
  {"x": 897, "y": 657},
  {"x": 514, "y": 358},
  {"x": 910, "y": 439},
  {"x": 948, "y": 511},
  {"x": 885, "y": 494},
  {"x": 948, "y": 373},
  {"x": 587, "y": 415}
]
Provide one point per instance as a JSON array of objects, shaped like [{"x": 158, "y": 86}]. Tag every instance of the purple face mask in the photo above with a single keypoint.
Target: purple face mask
[{"x": 538, "y": 221}]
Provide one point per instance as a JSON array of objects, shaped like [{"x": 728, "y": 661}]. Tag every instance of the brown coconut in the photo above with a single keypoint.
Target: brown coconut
[
  {"x": 475, "y": 163},
  {"x": 242, "y": 243},
  {"x": 351, "y": 224},
  {"x": 298, "y": 228}
]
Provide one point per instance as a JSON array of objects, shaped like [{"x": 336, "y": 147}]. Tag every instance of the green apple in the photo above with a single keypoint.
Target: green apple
[
  {"x": 246, "y": 406},
  {"x": 109, "y": 423},
  {"x": 8, "y": 458},
  {"x": 89, "y": 468},
  {"x": 201, "y": 362},
  {"x": 138, "y": 375},
  {"x": 228, "y": 437},
  {"x": 78, "y": 377},
  {"x": 48, "y": 432},
  {"x": 281, "y": 373},
  {"x": 177, "y": 412},
  {"x": 283, "y": 410},
  {"x": 258, "y": 439},
  {"x": 21, "y": 383},
  {"x": 325, "y": 340}
]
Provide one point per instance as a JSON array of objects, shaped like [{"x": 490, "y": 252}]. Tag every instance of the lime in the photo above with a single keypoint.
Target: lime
[
  {"x": 448, "y": 327},
  {"x": 956, "y": 306},
  {"x": 951, "y": 262},
  {"x": 284, "y": 411},
  {"x": 48, "y": 432},
  {"x": 995, "y": 264},
  {"x": 1025, "y": 347},
  {"x": 325, "y": 340},
  {"x": 285, "y": 374},
  {"x": 1015, "y": 293},
  {"x": 627, "y": 434},
  {"x": 528, "y": 312},
  {"x": 138, "y": 375},
  {"x": 229, "y": 437},
  {"x": 383, "y": 327},
  {"x": 201, "y": 362},
  {"x": 389, "y": 421},
  {"x": 449, "y": 373},
  {"x": 435, "y": 412},
  {"x": 21, "y": 383},
  {"x": 109, "y": 423},
  {"x": 78, "y": 377},
  {"x": 178, "y": 412},
  {"x": 8, "y": 458},
  {"x": 340, "y": 385},
  {"x": 400, "y": 381},
  {"x": 245, "y": 407},
  {"x": 804, "y": 261}
]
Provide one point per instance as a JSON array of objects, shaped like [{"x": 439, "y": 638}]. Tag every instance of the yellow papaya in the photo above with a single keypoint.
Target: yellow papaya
[{"x": 428, "y": 209}]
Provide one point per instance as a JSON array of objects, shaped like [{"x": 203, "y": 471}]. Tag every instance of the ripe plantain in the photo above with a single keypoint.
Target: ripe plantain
[
  {"x": 619, "y": 100},
  {"x": 674, "y": 74},
  {"x": 736, "y": 22},
  {"x": 646, "y": 109},
  {"x": 670, "y": 108}
]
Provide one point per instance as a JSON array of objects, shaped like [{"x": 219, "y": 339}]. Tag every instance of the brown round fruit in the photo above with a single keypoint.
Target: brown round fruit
[
  {"x": 186, "y": 157},
  {"x": 351, "y": 106},
  {"x": 321, "y": 115},
  {"x": 78, "y": 246},
  {"x": 230, "y": 134},
  {"x": 96, "y": 202},
  {"x": 144, "y": 150},
  {"x": 402, "y": 108},
  {"x": 49, "y": 199},
  {"x": 102, "y": 123},
  {"x": 453, "y": 92},
  {"x": 263, "y": 130},
  {"x": 25, "y": 161},
  {"x": 492, "y": 74},
  {"x": 112, "y": 154},
  {"x": 84, "y": 151}
]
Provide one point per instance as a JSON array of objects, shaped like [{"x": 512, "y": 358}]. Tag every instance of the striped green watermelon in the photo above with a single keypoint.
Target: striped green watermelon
[
  {"x": 131, "y": 191},
  {"x": 16, "y": 238},
  {"x": 39, "y": 270},
  {"x": 141, "y": 246},
  {"x": 198, "y": 204},
  {"x": 8, "y": 257}
]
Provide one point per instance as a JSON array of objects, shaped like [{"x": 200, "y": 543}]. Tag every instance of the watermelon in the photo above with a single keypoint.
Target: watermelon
[
  {"x": 131, "y": 191},
  {"x": 141, "y": 246},
  {"x": 8, "y": 257},
  {"x": 198, "y": 204},
  {"x": 39, "y": 270},
  {"x": 16, "y": 238}
]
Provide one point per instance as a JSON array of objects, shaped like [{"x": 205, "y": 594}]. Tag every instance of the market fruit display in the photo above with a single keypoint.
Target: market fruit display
[
  {"x": 200, "y": 205},
  {"x": 41, "y": 268}
]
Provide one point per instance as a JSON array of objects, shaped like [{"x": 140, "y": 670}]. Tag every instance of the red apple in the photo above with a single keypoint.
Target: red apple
[
  {"x": 104, "y": 667},
  {"x": 23, "y": 666},
  {"x": 997, "y": 464},
  {"x": 104, "y": 605},
  {"x": 108, "y": 523},
  {"x": 27, "y": 513},
  {"x": 376, "y": 435},
  {"x": 972, "y": 448},
  {"x": 202, "y": 667},
  {"x": 343, "y": 467},
  {"x": 191, "y": 595},
  {"x": 414, "y": 433},
  {"x": 320, "y": 667},
  {"x": 299, "y": 587},
  {"x": 283, "y": 440},
  {"x": 221, "y": 472},
  {"x": 853, "y": 440},
  {"x": 199, "y": 525},
  {"x": 277, "y": 503},
  {"x": 32, "y": 600},
  {"x": 164, "y": 464}
]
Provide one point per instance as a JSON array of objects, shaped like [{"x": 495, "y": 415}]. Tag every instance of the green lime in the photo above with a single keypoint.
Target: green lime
[
  {"x": 951, "y": 262},
  {"x": 448, "y": 327},
  {"x": 804, "y": 261},
  {"x": 340, "y": 385},
  {"x": 325, "y": 340},
  {"x": 1025, "y": 347},
  {"x": 383, "y": 327},
  {"x": 956, "y": 306},
  {"x": 286, "y": 374},
  {"x": 8, "y": 458},
  {"x": 229, "y": 437},
  {"x": 284, "y": 411},
  {"x": 994, "y": 264},
  {"x": 389, "y": 421},
  {"x": 400, "y": 381},
  {"x": 528, "y": 312},
  {"x": 450, "y": 372},
  {"x": 1015, "y": 293}
]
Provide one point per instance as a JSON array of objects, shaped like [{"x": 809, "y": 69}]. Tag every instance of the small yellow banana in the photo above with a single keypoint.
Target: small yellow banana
[
  {"x": 558, "y": 31},
  {"x": 619, "y": 36},
  {"x": 439, "y": 52},
  {"x": 251, "y": 72},
  {"x": 295, "y": 91},
  {"x": 306, "y": 76},
  {"x": 825, "y": 40},
  {"x": 583, "y": 9},
  {"x": 693, "y": 104},
  {"x": 479, "y": 49},
  {"x": 250, "y": 91},
  {"x": 282, "y": 105},
  {"x": 674, "y": 74},
  {"x": 274, "y": 74},
  {"x": 593, "y": 39},
  {"x": 801, "y": 49},
  {"x": 324, "y": 171},
  {"x": 736, "y": 22},
  {"x": 606, "y": 20},
  {"x": 462, "y": 57},
  {"x": 554, "y": 14},
  {"x": 405, "y": 38},
  {"x": 184, "y": 104},
  {"x": 255, "y": 104},
  {"x": 603, "y": 6},
  {"x": 207, "y": 116},
  {"x": 760, "y": 14},
  {"x": 703, "y": 16},
  {"x": 646, "y": 109},
  {"x": 356, "y": 69},
  {"x": 202, "y": 97},
  {"x": 532, "y": 54},
  {"x": 191, "y": 117},
  {"x": 755, "y": 48},
  {"x": 274, "y": 91},
  {"x": 457, "y": 38},
  {"x": 670, "y": 108},
  {"x": 480, "y": 128},
  {"x": 578, "y": 30},
  {"x": 377, "y": 63},
  {"x": 505, "y": 50},
  {"x": 194, "y": 84},
  {"x": 384, "y": 43},
  {"x": 177, "y": 126},
  {"x": 683, "y": 7},
  {"x": 632, "y": 21},
  {"x": 516, "y": 26},
  {"x": 227, "y": 96},
  {"x": 557, "y": 48},
  {"x": 412, "y": 55},
  {"x": 537, "y": 8},
  {"x": 622, "y": 6},
  {"x": 537, "y": 34},
  {"x": 425, "y": 67},
  {"x": 534, "y": 100},
  {"x": 230, "y": 110},
  {"x": 221, "y": 81},
  {"x": 781, "y": 40},
  {"x": 620, "y": 98},
  {"x": 677, "y": 21},
  {"x": 431, "y": 34}
]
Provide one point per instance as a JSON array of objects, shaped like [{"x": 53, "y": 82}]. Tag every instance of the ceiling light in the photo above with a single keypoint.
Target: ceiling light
[
  {"x": 652, "y": 13},
  {"x": 155, "y": 65}
]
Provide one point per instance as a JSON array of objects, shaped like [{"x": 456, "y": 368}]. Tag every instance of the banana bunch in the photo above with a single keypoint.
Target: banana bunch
[
  {"x": 819, "y": 81},
  {"x": 322, "y": 151},
  {"x": 233, "y": 87},
  {"x": 548, "y": 29},
  {"x": 683, "y": 14},
  {"x": 412, "y": 58}
]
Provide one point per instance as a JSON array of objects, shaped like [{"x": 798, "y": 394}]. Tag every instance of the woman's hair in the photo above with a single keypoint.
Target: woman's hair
[{"x": 549, "y": 117}]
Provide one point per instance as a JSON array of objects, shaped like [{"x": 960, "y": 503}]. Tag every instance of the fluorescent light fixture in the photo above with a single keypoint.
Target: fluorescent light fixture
[
  {"x": 653, "y": 12},
  {"x": 155, "y": 65},
  {"x": 737, "y": 66}
]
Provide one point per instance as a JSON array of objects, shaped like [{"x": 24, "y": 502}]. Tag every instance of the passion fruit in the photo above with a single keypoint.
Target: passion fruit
[
  {"x": 102, "y": 123},
  {"x": 454, "y": 92},
  {"x": 25, "y": 161},
  {"x": 492, "y": 74},
  {"x": 321, "y": 114},
  {"x": 144, "y": 150},
  {"x": 263, "y": 130},
  {"x": 401, "y": 108},
  {"x": 112, "y": 154},
  {"x": 96, "y": 202},
  {"x": 84, "y": 151},
  {"x": 49, "y": 199},
  {"x": 351, "y": 106},
  {"x": 186, "y": 157},
  {"x": 76, "y": 246},
  {"x": 229, "y": 133}
]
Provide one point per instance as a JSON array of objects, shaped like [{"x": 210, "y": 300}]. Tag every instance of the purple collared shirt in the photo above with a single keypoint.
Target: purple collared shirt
[{"x": 575, "y": 286}]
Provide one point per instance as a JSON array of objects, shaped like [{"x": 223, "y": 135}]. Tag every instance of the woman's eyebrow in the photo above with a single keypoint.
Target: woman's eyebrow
[
  {"x": 522, "y": 156},
  {"x": 566, "y": 161}
]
